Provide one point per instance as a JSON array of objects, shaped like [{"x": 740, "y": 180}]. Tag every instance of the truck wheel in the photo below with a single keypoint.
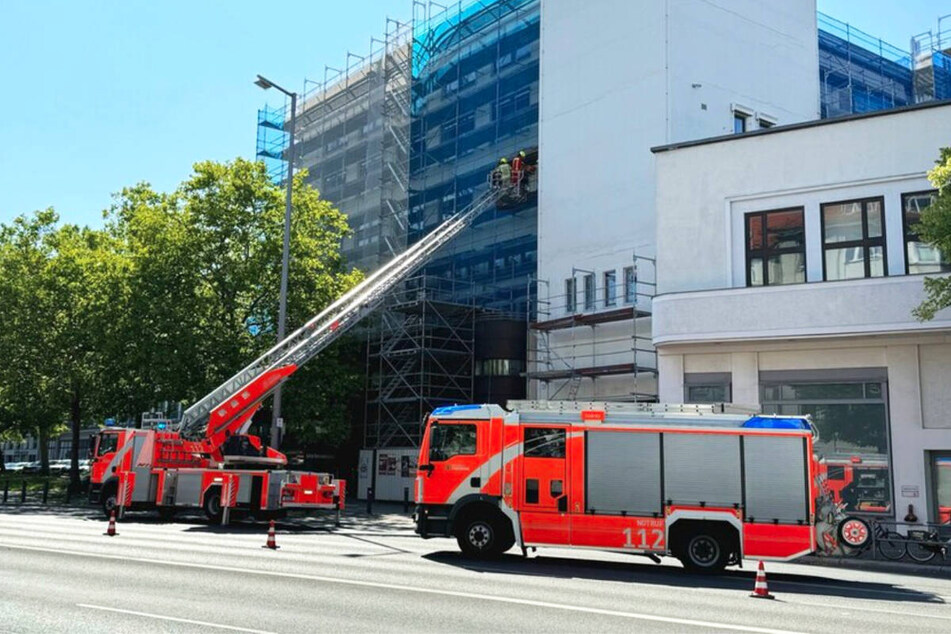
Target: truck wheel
[
  {"x": 483, "y": 536},
  {"x": 212, "y": 505},
  {"x": 705, "y": 551},
  {"x": 109, "y": 501}
]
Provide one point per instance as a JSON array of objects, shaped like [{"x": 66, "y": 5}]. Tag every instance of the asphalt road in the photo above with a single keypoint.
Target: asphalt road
[{"x": 59, "y": 573}]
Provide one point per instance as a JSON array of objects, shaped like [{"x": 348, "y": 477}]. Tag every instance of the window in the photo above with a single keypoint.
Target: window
[
  {"x": 589, "y": 291},
  {"x": 853, "y": 239},
  {"x": 708, "y": 387},
  {"x": 610, "y": 288},
  {"x": 107, "y": 443},
  {"x": 765, "y": 124},
  {"x": 544, "y": 442},
  {"x": 775, "y": 248},
  {"x": 499, "y": 367},
  {"x": 446, "y": 441},
  {"x": 628, "y": 284},
  {"x": 852, "y": 419},
  {"x": 571, "y": 304},
  {"x": 920, "y": 257},
  {"x": 739, "y": 122}
]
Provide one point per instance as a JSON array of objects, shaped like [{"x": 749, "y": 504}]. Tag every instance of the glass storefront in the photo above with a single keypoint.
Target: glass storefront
[{"x": 852, "y": 419}]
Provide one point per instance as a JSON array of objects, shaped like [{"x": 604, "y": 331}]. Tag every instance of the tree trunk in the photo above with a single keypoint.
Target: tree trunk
[
  {"x": 44, "y": 441},
  {"x": 3, "y": 462},
  {"x": 75, "y": 419}
]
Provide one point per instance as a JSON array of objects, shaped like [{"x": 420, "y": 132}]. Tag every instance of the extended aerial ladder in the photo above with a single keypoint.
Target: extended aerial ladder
[
  {"x": 227, "y": 410},
  {"x": 209, "y": 461}
]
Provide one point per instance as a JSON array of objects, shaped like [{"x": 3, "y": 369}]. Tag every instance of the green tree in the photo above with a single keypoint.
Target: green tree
[
  {"x": 935, "y": 229},
  {"x": 204, "y": 284}
]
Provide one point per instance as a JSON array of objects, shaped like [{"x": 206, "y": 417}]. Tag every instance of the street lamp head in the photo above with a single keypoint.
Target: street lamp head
[{"x": 263, "y": 83}]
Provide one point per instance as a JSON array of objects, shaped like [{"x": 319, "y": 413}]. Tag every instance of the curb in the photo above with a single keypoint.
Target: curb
[{"x": 874, "y": 565}]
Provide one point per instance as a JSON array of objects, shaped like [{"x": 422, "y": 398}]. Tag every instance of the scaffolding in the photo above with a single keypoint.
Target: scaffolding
[
  {"x": 421, "y": 355},
  {"x": 606, "y": 335},
  {"x": 859, "y": 72},
  {"x": 931, "y": 51}
]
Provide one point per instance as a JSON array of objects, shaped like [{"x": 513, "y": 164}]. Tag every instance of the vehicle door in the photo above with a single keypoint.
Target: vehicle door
[
  {"x": 451, "y": 467},
  {"x": 543, "y": 498}
]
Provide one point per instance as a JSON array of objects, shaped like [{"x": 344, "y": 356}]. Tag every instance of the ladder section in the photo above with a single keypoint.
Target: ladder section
[{"x": 301, "y": 345}]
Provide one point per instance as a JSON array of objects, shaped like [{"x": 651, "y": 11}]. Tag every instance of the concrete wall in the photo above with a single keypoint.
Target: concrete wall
[{"x": 618, "y": 77}]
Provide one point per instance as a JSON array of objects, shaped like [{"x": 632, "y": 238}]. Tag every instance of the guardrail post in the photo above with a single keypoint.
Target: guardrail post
[
  {"x": 406, "y": 499},
  {"x": 370, "y": 501},
  {"x": 23, "y": 492},
  {"x": 46, "y": 490}
]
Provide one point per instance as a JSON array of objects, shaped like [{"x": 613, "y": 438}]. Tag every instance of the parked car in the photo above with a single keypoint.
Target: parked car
[
  {"x": 15, "y": 466},
  {"x": 58, "y": 467},
  {"x": 32, "y": 467}
]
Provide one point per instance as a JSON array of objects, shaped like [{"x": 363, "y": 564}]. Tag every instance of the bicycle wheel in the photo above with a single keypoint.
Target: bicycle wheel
[
  {"x": 892, "y": 546},
  {"x": 920, "y": 551}
]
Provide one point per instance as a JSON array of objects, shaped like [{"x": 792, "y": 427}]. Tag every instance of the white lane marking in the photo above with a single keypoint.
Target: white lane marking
[
  {"x": 862, "y": 608},
  {"x": 171, "y": 618},
  {"x": 402, "y": 588}
]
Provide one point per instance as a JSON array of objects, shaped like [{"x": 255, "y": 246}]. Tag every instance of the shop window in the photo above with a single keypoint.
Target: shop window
[
  {"x": 499, "y": 367},
  {"x": 919, "y": 256},
  {"x": 853, "y": 239},
  {"x": 610, "y": 288},
  {"x": 629, "y": 285},
  {"x": 589, "y": 291},
  {"x": 852, "y": 419},
  {"x": 708, "y": 387},
  {"x": 775, "y": 247}
]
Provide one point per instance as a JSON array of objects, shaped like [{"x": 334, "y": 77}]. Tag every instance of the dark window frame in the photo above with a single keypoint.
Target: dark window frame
[
  {"x": 907, "y": 234},
  {"x": 590, "y": 292},
  {"x": 610, "y": 288},
  {"x": 865, "y": 243},
  {"x": 630, "y": 286},
  {"x": 475, "y": 447},
  {"x": 764, "y": 253},
  {"x": 743, "y": 119},
  {"x": 571, "y": 295}
]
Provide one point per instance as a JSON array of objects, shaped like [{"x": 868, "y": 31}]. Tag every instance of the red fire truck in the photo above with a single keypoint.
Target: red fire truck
[
  {"x": 157, "y": 469},
  {"x": 710, "y": 488},
  {"x": 207, "y": 459}
]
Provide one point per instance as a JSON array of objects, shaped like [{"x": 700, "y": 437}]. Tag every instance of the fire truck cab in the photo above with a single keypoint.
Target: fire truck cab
[{"x": 708, "y": 488}]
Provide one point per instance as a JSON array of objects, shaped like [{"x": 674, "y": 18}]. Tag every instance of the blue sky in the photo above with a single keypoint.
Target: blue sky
[{"x": 97, "y": 95}]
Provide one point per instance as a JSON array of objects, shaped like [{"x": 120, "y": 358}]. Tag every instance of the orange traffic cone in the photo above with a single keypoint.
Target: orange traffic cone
[
  {"x": 271, "y": 538},
  {"x": 111, "y": 531},
  {"x": 760, "y": 590}
]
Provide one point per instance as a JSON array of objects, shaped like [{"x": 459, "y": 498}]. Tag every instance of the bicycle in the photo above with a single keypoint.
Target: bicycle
[
  {"x": 855, "y": 536},
  {"x": 925, "y": 545}
]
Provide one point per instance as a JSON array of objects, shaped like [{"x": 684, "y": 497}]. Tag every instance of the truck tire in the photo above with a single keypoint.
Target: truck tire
[
  {"x": 705, "y": 551},
  {"x": 108, "y": 499},
  {"x": 484, "y": 535},
  {"x": 212, "y": 505}
]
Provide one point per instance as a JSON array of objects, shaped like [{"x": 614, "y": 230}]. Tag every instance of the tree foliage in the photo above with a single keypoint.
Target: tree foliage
[
  {"x": 175, "y": 294},
  {"x": 935, "y": 229}
]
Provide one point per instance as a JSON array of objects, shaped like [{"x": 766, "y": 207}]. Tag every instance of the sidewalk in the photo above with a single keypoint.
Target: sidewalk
[{"x": 941, "y": 569}]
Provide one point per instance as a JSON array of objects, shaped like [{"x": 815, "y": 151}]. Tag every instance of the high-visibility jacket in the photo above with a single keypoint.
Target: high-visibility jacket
[
  {"x": 516, "y": 169},
  {"x": 505, "y": 172}
]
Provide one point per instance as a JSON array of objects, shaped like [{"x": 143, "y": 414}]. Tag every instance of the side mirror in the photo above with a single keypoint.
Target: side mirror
[{"x": 428, "y": 468}]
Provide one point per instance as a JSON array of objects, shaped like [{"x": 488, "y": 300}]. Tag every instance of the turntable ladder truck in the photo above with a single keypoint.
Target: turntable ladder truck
[{"x": 208, "y": 460}]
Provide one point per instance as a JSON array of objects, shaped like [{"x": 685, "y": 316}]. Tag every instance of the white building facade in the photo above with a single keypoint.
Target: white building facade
[
  {"x": 616, "y": 78},
  {"x": 788, "y": 270}
]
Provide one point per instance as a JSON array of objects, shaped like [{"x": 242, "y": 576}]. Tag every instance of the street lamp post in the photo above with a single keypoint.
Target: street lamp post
[{"x": 276, "y": 421}]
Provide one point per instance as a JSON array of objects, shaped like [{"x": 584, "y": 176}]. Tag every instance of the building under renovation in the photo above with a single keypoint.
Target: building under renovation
[{"x": 553, "y": 297}]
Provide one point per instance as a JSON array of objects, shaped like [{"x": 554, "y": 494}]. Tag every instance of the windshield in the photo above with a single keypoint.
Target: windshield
[
  {"x": 446, "y": 441},
  {"x": 107, "y": 443}
]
